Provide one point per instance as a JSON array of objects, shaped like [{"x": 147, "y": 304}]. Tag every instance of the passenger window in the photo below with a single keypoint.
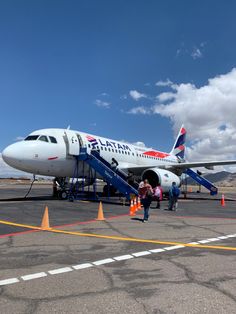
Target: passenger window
[
  {"x": 43, "y": 138},
  {"x": 105, "y": 148},
  {"x": 52, "y": 139},
  {"x": 31, "y": 138},
  {"x": 101, "y": 148}
]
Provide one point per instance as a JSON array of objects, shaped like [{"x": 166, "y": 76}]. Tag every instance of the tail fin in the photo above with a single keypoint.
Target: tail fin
[{"x": 179, "y": 147}]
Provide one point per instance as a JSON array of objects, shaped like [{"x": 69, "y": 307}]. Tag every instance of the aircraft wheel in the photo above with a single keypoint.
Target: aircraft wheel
[
  {"x": 105, "y": 190},
  {"x": 71, "y": 198},
  {"x": 63, "y": 195}
]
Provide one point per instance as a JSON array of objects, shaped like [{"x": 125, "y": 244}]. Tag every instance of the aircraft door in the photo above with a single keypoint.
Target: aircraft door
[{"x": 73, "y": 143}]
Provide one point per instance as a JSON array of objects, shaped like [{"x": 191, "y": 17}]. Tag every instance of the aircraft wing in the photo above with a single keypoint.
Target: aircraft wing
[{"x": 179, "y": 166}]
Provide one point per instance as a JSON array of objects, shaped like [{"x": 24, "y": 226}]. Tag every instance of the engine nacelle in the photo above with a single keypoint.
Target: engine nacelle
[{"x": 163, "y": 177}]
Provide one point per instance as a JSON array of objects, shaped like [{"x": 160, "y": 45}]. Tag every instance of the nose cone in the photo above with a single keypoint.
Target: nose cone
[{"x": 11, "y": 155}]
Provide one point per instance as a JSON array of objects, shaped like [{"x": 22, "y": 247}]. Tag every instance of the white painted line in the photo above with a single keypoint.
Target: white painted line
[
  {"x": 213, "y": 239},
  {"x": 106, "y": 261},
  {"x": 157, "y": 250},
  {"x": 60, "y": 270},
  {"x": 231, "y": 235},
  {"x": 123, "y": 257},
  {"x": 34, "y": 276},
  {"x": 82, "y": 266},
  {"x": 143, "y": 253},
  {"x": 103, "y": 261},
  {"x": 169, "y": 248},
  {"x": 8, "y": 281},
  {"x": 204, "y": 241},
  {"x": 222, "y": 237}
]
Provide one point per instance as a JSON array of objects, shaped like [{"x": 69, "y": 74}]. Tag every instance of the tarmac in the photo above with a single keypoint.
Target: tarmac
[{"x": 178, "y": 262}]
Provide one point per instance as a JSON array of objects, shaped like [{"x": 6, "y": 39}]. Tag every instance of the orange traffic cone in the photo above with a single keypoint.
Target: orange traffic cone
[
  {"x": 139, "y": 203},
  {"x": 100, "y": 213},
  {"x": 45, "y": 221},
  {"x": 222, "y": 202},
  {"x": 135, "y": 205},
  {"x": 131, "y": 209}
]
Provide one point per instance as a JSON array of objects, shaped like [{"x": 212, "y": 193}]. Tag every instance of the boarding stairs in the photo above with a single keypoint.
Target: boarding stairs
[
  {"x": 116, "y": 178},
  {"x": 202, "y": 181}
]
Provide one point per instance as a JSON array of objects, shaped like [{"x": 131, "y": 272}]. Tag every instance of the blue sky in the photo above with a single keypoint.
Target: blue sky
[{"x": 91, "y": 64}]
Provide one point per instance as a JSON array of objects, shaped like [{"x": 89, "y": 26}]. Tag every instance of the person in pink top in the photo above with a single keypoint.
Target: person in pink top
[{"x": 158, "y": 195}]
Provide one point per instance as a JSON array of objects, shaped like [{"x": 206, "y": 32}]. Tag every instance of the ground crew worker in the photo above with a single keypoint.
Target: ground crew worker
[{"x": 174, "y": 193}]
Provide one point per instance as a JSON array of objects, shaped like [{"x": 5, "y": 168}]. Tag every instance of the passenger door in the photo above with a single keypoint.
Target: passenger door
[{"x": 73, "y": 143}]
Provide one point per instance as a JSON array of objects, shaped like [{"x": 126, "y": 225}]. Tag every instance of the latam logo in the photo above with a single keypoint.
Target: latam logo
[
  {"x": 92, "y": 140},
  {"x": 105, "y": 143}
]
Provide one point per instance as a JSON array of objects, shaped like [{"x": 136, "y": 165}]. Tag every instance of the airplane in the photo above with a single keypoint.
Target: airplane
[{"x": 51, "y": 152}]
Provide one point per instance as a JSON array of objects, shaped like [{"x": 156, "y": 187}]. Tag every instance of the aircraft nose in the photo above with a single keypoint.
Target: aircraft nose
[{"x": 10, "y": 154}]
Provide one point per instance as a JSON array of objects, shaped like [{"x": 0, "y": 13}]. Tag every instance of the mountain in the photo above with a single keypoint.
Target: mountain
[{"x": 222, "y": 178}]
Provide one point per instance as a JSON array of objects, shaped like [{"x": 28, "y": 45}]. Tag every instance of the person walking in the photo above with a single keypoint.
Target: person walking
[
  {"x": 174, "y": 193},
  {"x": 114, "y": 164},
  {"x": 158, "y": 195},
  {"x": 146, "y": 195}
]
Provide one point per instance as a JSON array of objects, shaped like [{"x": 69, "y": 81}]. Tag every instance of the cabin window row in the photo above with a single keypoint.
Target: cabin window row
[{"x": 126, "y": 153}]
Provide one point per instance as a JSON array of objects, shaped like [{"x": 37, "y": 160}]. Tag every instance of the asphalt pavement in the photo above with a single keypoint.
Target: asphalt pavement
[{"x": 178, "y": 262}]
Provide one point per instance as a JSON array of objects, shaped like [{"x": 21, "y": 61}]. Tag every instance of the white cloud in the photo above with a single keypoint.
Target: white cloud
[
  {"x": 101, "y": 103},
  {"x": 7, "y": 171},
  {"x": 140, "y": 144},
  {"x": 196, "y": 53},
  {"x": 163, "y": 97},
  {"x": 19, "y": 138},
  {"x": 104, "y": 94},
  {"x": 164, "y": 83},
  {"x": 136, "y": 95},
  {"x": 208, "y": 113},
  {"x": 139, "y": 110},
  {"x": 123, "y": 97}
]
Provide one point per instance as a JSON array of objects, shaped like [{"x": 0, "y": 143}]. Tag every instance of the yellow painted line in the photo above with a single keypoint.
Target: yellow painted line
[
  {"x": 101, "y": 236},
  {"x": 142, "y": 240},
  {"x": 19, "y": 225}
]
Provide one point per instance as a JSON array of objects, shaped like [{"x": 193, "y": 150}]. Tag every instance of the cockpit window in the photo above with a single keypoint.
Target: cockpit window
[
  {"x": 31, "y": 138},
  {"x": 43, "y": 138},
  {"x": 52, "y": 139}
]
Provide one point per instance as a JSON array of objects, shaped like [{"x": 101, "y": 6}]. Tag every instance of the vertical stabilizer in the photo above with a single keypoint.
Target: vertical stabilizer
[{"x": 179, "y": 147}]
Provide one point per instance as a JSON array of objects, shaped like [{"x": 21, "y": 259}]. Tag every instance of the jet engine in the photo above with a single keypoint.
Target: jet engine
[{"x": 163, "y": 177}]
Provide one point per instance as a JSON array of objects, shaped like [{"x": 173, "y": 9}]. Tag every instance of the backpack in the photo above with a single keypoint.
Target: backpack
[
  {"x": 149, "y": 194},
  {"x": 175, "y": 191}
]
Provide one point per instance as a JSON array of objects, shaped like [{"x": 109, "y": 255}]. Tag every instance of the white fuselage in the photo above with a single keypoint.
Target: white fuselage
[{"x": 50, "y": 152}]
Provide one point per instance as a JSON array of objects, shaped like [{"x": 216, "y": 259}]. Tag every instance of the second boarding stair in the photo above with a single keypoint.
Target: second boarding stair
[
  {"x": 116, "y": 177},
  {"x": 207, "y": 184}
]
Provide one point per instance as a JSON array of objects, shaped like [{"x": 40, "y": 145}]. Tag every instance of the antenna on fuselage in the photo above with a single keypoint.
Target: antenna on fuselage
[{"x": 68, "y": 128}]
